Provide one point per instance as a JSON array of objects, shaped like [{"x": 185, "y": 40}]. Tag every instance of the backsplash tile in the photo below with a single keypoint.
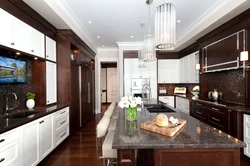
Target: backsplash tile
[
  {"x": 19, "y": 89},
  {"x": 230, "y": 82}
]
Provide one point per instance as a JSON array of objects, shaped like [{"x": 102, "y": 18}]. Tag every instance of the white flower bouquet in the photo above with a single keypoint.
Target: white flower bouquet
[{"x": 130, "y": 103}]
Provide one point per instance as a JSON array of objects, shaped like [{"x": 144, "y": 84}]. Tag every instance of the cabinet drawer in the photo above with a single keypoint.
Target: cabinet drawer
[
  {"x": 60, "y": 122},
  {"x": 61, "y": 135},
  {"x": 217, "y": 119},
  {"x": 201, "y": 113},
  {"x": 9, "y": 137},
  {"x": 9, "y": 154},
  {"x": 62, "y": 112},
  {"x": 217, "y": 109}
]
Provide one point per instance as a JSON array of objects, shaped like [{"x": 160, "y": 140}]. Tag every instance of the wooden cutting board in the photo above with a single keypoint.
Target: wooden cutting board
[{"x": 169, "y": 130}]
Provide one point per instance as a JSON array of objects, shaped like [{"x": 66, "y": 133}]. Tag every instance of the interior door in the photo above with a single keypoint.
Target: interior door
[{"x": 84, "y": 98}]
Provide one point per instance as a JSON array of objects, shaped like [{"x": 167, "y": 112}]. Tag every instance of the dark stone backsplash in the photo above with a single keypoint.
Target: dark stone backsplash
[
  {"x": 19, "y": 89},
  {"x": 230, "y": 82}
]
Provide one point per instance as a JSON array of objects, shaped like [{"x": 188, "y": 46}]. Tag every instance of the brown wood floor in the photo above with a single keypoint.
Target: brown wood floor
[{"x": 80, "y": 149}]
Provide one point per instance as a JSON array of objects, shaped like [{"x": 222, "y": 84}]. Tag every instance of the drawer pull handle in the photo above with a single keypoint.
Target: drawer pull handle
[
  {"x": 63, "y": 112},
  {"x": 198, "y": 112},
  {"x": 12, "y": 43},
  {"x": 199, "y": 104},
  {"x": 218, "y": 120},
  {"x": 216, "y": 109},
  {"x": 63, "y": 135},
  {"x": 41, "y": 122},
  {"x": 2, "y": 140},
  {"x": 63, "y": 122},
  {"x": 2, "y": 159}
]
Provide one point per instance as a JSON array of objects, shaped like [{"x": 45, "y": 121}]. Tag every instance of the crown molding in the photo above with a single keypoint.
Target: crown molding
[
  {"x": 62, "y": 9},
  {"x": 107, "y": 49}
]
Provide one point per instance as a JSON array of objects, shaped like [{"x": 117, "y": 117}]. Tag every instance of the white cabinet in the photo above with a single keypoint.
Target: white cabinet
[
  {"x": 11, "y": 148},
  {"x": 169, "y": 100},
  {"x": 182, "y": 105},
  {"x": 104, "y": 97},
  {"x": 168, "y": 71},
  {"x": 51, "y": 83},
  {"x": 111, "y": 84},
  {"x": 50, "y": 49},
  {"x": 20, "y": 36},
  {"x": 188, "y": 72},
  {"x": 30, "y": 143},
  {"x": 104, "y": 78},
  {"x": 45, "y": 136},
  {"x": 246, "y": 131}
]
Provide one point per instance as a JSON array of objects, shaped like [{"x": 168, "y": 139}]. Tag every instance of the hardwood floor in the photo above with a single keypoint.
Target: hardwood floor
[{"x": 80, "y": 149}]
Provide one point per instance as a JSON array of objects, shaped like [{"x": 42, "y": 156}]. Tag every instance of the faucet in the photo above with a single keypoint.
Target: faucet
[
  {"x": 146, "y": 88},
  {"x": 7, "y": 102}
]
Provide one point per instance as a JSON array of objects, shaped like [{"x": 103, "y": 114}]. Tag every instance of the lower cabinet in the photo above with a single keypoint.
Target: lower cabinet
[
  {"x": 182, "y": 104},
  {"x": 169, "y": 100},
  {"x": 29, "y": 144},
  {"x": 217, "y": 117},
  {"x": 246, "y": 131}
]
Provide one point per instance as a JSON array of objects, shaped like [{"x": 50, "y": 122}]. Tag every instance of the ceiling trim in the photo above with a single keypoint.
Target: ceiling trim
[
  {"x": 62, "y": 9},
  {"x": 108, "y": 49}
]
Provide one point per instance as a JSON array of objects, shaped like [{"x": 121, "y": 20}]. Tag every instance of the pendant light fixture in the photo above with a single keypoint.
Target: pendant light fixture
[
  {"x": 148, "y": 47},
  {"x": 141, "y": 63},
  {"x": 165, "y": 25}
]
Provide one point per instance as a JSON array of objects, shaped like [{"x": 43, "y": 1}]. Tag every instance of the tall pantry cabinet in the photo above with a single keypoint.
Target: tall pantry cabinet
[{"x": 111, "y": 85}]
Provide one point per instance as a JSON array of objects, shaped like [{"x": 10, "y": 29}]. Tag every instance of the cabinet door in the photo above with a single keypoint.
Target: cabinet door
[
  {"x": 191, "y": 68},
  {"x": 22, "y": 35},
  {"x": 37, "y": 43},
  {"x": 6, "y": 30},
  {"x": 185, "y": 70},
  {"x": 50, "y": 49},
  {"x": 51, "y": 83},
  {"x": 31, "y": 144},
  {"x": 181, "y": 70},
  {"x": 168, "y": 71},
  {"x": 46, "y": 136},
  {"x": 104, "y": 79}
]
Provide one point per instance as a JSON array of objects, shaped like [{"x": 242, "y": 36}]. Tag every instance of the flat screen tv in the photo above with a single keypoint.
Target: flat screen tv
[{"x": 12, "y": 70}]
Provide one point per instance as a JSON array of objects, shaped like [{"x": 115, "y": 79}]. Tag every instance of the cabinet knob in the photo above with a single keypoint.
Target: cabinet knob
[
  {"x": 47, "y": 56},
  {"x": 12, "y": 43},
  {"x": 47, "y": 101},
  {"x": 32, "y": 50}
]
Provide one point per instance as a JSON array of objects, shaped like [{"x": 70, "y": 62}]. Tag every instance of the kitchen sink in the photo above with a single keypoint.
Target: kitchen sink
[
  {"x": 20, "y": 114},
  {"x": 157, "y": 108}
]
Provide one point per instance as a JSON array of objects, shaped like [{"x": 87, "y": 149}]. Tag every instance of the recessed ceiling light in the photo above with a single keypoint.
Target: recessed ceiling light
[
  {"x": 90, "y": 22},
  {"x": 18, "y": 53},
  {"x": 131, "y": 37},
  {"x": 98, "y": 37},
  {"x": 103, "y": 45},
  {"x": 178, "y": 21}
]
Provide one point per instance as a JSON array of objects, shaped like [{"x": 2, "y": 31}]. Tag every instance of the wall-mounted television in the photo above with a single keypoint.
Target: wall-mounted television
[{"x": 12, "y": 70}]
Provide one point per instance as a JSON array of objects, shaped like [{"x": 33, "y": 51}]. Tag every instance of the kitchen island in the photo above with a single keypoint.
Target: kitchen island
[{"x": 195, "y": 144}]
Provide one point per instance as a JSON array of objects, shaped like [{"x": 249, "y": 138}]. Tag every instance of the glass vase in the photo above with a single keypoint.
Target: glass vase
[{"x": 131, "y": 114}]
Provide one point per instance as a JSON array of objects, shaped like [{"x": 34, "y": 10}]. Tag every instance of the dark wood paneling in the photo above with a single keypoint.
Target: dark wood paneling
[
  {"x": 39, "y": 82},
  {"x": 77, "y": 42},
  {"x": 63, "y": 70},
  {"x": 109, "y": 65},
  {"x": 22, "y": 11},
  {"x": 189, "y": 50},
  {"x": 167, "y": 55},
  {"x": 130, "y": 54}
]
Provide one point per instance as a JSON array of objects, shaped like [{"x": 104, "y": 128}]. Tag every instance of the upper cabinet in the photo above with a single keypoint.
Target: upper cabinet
[
  {"x": 18, "y": 35},
  {"x": 224, "y": 53},
  {"x": 168, "y": 71},
  {"x": 50, "y": 49}
]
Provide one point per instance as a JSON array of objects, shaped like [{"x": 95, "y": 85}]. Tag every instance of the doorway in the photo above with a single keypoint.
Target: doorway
[{"x": 109, "y": 84}]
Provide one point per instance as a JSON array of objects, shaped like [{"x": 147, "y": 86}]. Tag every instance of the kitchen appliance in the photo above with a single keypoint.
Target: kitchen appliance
[
  {"x": 180, "y": 90},
  {"x": 137, "y": 85},
  {"x": 12, "y": 70}
]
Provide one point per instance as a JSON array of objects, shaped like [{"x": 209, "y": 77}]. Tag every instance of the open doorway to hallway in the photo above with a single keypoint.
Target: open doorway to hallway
[{"x": 108, "y": 84}]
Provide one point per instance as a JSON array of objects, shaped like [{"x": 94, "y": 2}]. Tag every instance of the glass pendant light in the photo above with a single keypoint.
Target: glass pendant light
[
  {"x": 165, "y": 25},
  {"x": 148, "y": 47},
  {"x": 141, "y": 63}
]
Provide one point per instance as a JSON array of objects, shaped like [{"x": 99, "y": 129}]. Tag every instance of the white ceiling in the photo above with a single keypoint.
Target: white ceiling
[{"x": 116, "y": 20}]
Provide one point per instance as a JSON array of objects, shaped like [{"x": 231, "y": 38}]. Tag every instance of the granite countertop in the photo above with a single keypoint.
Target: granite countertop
[
  {"x": 194, "y": 134},
  {"x": 11, "y": 123}
]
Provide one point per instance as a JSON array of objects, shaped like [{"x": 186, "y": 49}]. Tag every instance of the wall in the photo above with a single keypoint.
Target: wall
[{"x": 103, "y": 56}]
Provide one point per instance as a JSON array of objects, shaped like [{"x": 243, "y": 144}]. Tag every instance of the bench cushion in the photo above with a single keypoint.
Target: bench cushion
[
  {"x": 102, "y": 127},
  {"x": 109, "y": 111},
  {"x": 107, "y": 151},
  {"x": 112, "y": 124}
]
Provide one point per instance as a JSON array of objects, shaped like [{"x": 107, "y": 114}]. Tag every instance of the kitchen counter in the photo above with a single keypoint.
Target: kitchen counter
[
  {"x": 194, "y": 141},
  {"x": 11, "y": 123},
  {"x": 194, "y": 134}
]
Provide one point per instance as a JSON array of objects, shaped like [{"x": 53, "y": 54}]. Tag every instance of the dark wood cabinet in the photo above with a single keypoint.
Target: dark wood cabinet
[
  {"x": 217, "y": 117},
  {"x": 224, "y": 53}
]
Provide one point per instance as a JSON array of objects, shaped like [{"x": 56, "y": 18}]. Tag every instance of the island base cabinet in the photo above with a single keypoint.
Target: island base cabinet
[{"x": 191, "y": 157}]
